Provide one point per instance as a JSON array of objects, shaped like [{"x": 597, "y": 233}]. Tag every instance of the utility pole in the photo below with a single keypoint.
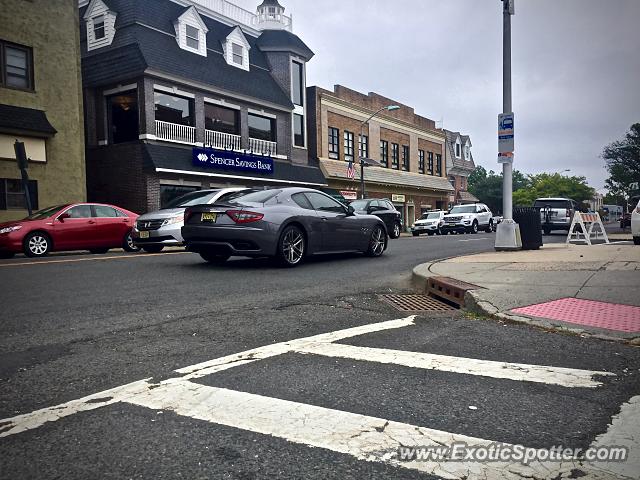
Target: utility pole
[{"x": 508, "y": 232}]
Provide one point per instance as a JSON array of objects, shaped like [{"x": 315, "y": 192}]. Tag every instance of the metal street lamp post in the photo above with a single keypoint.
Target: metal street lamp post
[{"x": 388, "y": 108}]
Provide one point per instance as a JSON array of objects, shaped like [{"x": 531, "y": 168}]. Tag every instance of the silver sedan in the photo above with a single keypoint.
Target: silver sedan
[{"x": 288, "y": 224}]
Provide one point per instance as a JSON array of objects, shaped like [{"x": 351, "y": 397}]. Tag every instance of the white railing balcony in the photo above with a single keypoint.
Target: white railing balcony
[
  {"x": 224, "y": 141},
  {"x": 173, "y": 132},
  {"x": 263, "y": 147},
  {"x": 273, "y": 21}
]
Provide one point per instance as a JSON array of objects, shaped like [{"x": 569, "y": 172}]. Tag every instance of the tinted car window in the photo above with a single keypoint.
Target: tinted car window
[
  {"x": 105, "y": 212},
  {"x": 552, "y": 203},
  {"x": 359, "y": 204},
  {"x": 302, "y": 201},
  {"x": 80, "y": 211},
  {"x": 323, "y": 203}
]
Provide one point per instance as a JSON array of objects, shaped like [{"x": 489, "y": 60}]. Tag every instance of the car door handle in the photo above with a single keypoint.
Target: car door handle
[{"x": 92, "y": 221}]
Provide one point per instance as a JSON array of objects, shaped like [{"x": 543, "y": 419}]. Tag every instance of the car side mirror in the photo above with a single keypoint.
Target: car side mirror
[
  {"x": 350, "y": 211},
  {"x": 63, "y": 216}
]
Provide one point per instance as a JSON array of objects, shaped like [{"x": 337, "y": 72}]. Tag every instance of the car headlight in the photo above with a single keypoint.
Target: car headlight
[
  {"x": 173, "y": 220},
  {"x": 10, "y": 229}
]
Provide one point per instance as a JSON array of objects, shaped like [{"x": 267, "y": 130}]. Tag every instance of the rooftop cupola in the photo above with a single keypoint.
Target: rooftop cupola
[{"x": 270, "y": 16}]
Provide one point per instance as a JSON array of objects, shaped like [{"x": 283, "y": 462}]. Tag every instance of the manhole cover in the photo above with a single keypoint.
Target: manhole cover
[{"x": 416, "y": 303}]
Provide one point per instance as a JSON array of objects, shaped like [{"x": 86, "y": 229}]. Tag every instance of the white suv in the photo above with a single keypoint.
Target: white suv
[
  {"x": 468, "y": 218},
  {"x": 430, "y": 223}
]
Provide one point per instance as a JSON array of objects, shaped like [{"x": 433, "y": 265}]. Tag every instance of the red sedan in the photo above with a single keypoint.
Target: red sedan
[{"x": 79, "y": 226}]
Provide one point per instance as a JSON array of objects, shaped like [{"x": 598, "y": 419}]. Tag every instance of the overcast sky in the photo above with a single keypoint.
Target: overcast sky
[{"x": 576, "y": 69}]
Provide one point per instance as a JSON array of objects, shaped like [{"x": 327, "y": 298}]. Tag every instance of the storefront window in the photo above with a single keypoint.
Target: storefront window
[
  {"x": 172, "y": 109},
  {"x": 221, "y": 119},
  {"x": 123, "y": 117},
  {"x": 262, "y": 128}
]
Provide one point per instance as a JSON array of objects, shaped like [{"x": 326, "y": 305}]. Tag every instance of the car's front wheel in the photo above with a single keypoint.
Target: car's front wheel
[
  {"x": 395, "y": 231},
  {"x": 128, "y": 245},
  {"x": 214, "y": 258},
  {"x": 37, "y": 244},
  {"x": 291, "y": 247},
  {"x": 377, "y": 242},
  {"x": 474, "y": 227}
]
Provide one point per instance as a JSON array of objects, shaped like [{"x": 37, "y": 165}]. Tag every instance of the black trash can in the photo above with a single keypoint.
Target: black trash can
[{"x": 528, "y": 218}]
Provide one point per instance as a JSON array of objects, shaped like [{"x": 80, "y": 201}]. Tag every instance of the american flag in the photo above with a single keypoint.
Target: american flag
[{"x": 351, "y": 171}]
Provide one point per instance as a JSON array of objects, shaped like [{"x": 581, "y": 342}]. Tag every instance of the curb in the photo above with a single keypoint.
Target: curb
[{"x": 476, "y": 304}]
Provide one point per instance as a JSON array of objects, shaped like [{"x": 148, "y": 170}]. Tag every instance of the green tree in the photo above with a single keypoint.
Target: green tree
[
  {"x": 622, "y": 159},
  {"x": 553, "y": 185},
  {"x": 487, "y": 186},
  {"x": 478, "y": 175}
]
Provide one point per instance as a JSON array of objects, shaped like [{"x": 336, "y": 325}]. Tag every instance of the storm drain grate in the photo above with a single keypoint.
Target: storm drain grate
[{"x": 416, "y": 303}]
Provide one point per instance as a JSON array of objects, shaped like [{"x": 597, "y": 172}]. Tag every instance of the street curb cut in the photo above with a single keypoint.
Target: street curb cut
[{"x": 474, "y": 303}]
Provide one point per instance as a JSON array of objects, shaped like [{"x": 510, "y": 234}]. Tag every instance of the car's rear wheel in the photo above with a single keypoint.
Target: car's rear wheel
[
  {"x": 377, "y": 242},
  {"x": 396, "y": 230},
  {"x": 490, "y": 227},
  {"x": 128, "y": 245},
  {"x": 546, "y": 230},
  {"x": 291, "y": 247},
  {"x": 214, "y": 258},
  {"x": 99, "y": 251},
  {"x": 153, "y": 248},
  {"x": 37, "y": 244}
]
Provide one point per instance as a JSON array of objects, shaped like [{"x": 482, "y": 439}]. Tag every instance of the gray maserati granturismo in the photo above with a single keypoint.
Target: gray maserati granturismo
[{"x": 286, "y": 223}]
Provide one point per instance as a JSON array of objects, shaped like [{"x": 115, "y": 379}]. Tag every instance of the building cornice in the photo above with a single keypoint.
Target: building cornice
[{"x": 329, "y": 100}]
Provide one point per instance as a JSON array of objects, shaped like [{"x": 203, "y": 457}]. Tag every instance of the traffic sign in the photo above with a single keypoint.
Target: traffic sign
[
  {"x": 505, "y": 157},
  {"x": 505, "y": 133}
]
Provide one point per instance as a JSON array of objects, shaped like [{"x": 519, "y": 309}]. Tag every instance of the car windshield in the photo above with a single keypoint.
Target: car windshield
[
  {"x": 430, "y": 216},
  {"x": 463, "y": 209},
  {"x": 45, "y": 213},
  {"x": 251, "y": 197},
  {"x": 359, "y": 204},
  {"x": 194, "y": 198}
]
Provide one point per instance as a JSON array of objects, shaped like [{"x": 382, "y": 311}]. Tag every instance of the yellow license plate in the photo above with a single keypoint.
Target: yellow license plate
[
  {"x": 209, "y": 217},
  {"x": 144, "y": 234}
]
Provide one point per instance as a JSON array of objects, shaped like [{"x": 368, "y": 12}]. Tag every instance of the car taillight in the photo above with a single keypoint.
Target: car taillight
[
  {"x": 569, "y": 213},
  {"x": 240, "y": 216}
]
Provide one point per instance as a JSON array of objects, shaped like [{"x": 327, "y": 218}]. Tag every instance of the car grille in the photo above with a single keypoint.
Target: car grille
[
  {"x": 453, "y": 219},
  {"x": 147, "y": 225}
]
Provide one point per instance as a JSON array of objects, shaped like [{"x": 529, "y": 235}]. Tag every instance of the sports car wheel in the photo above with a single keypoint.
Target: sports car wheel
[
  {"x": 377, "y": 242},
  {"x": 291, "y": 247},
  {"x": 395, "y": 232},
  {"x": 37, "y": 244}
]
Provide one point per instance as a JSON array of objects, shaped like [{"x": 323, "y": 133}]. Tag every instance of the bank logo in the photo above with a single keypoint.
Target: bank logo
[{"x": 203, "y": 157}]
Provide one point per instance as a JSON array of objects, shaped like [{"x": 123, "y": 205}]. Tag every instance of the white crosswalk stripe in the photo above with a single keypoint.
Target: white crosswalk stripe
[{"x": 364, "y": 437}]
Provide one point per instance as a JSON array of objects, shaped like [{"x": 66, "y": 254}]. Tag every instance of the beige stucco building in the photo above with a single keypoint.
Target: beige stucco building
[{"x": 40, "y": 104}]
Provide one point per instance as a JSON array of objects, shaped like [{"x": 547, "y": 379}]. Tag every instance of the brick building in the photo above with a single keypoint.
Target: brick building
[
  {"x": 188, "y": 94},
  {"x": 460, "y": 165},
  {"x": 40, "y": 105},
  {"x": 407, "y": 147}
]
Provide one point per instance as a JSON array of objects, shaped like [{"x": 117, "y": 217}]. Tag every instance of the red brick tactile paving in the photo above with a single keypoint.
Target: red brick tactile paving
[{"x": 610, "y": 316}]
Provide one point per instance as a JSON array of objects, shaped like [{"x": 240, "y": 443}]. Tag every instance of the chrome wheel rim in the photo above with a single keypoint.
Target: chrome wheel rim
[
  {"x": 293, "y": 246},
  {"x": 130, "y": 243},
  {"x": 38, "y": 245},
  {"x": 377, "y": 241},
  {"x": 396, "y": 230},
  {"x": 475, "y": 228}
]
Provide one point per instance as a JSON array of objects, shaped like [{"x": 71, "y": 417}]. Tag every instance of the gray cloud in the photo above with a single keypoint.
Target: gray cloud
[{"x": 576, "y": 69}]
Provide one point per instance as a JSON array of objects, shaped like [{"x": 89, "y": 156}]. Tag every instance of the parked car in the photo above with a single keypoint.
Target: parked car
[
  {"x": 468, "y": 218},
  {"x": 430, "y": 223},
  {"x": 287, "y": 224},
  {"x": 625, "y": 220},
  {"x": 635, "y": 223},
  {"x": 383, "y": 209},
  {"x": 556, "y": 213},
  {"x": 155, "y": 230},
  {"x": 95, "y": 227}
]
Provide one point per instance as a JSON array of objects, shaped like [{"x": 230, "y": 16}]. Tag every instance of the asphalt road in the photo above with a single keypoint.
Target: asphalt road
[{"x": 75, "y": 325}]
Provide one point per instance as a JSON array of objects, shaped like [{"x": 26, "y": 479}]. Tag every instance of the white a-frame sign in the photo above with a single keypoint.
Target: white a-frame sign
[{"x": 583, "y": 225}]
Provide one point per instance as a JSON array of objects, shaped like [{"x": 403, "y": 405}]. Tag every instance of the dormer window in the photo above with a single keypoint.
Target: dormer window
[
  {"x": 238, "y": 54},
  {"x": 466, "y": 152},
  {"x": 98, "y": 27},
  {"x": 191, "y": 32},
  {"x": 193, "y": 37},
  {"x": 101, "y": 25},
  {"x": 236, "y": 49},
  {"x": 457, "y": 150}
]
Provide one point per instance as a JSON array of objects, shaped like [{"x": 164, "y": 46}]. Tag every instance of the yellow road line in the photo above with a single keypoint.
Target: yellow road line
[{"x": 73, "y": 260}]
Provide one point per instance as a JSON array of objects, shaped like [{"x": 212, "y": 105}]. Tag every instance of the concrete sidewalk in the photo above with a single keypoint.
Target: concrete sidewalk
[{"x": 508, "y": 280}]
